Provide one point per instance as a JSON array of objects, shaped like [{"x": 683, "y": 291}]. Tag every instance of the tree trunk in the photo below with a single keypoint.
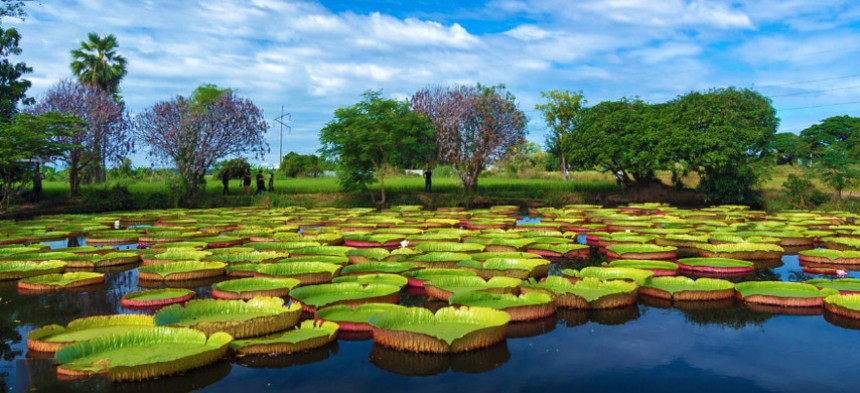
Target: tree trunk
[
  {"x": 381, "y": 188},
  {"x": 73, "y": 179},
  {"x": 563, "y": 168}
]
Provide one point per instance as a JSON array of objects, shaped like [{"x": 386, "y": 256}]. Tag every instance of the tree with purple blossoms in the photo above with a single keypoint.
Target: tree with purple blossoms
[
  {"x": 194, "y": 132},
  {"x": 475, "y": 126},
  {"x": 106, "y": 134}
]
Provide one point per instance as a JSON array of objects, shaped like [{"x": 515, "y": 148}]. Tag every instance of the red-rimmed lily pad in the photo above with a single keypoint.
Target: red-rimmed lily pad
[
  {"x": 843, "y": 285},
  {"x": 250, "y": 287},
  {"x": 354, "y": 319},
  {"x": 313, "y": 297},
  {"x": 687, "y": 289},
  {"x": 443, "y": 288},
  {"x": 181, "y": 271},
  {"x": 660, "y": 268},
  {"x": 56, "y": 282},
  {"x": 156, "y": 297},
  {"x": 716, "y": 267},
  {"x": 418, "y": 277},
  {"x": 641, "y": 251}
]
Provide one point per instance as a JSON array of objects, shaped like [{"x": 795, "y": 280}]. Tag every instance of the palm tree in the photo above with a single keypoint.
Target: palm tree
[{"x": 97, "y": 63}]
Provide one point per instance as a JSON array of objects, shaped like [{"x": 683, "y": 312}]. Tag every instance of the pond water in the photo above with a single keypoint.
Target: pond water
[{"x": 718, "y": 346}]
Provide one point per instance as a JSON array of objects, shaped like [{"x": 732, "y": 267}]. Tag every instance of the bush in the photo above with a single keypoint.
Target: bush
[
  {"x": 731, "y": 185},
  {"x": 800, "y": 193}
]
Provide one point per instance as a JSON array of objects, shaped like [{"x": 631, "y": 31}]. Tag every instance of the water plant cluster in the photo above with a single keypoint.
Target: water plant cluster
[{"x": 293, "y": 279}]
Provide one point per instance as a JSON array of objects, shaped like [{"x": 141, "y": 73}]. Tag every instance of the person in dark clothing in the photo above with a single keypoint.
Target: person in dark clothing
[
  {"x": 261, "y": 183},
  {"x": 37, "y": 186},
  {"x": 246, "y": 181},
  {"x": 225, "y": 180},
  {"x": 428, "y": 175},
  {"x": 271, "y": 182}
]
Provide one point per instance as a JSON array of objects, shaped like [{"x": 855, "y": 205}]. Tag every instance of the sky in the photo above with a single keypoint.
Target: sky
[{"x": 312, "y": 57}]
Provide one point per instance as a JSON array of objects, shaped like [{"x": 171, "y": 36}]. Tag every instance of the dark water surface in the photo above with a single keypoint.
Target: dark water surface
[{"x": 651, "y": 347}]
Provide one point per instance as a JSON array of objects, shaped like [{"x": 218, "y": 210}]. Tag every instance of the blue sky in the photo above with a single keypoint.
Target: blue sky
[{"x": 315, "y": 56}]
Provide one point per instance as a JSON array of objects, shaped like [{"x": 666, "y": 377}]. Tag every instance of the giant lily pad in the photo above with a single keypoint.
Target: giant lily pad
[
  {"x": 178, "y": 271},
  {"x": 660, "y": 268},
  {"x": 55, "y": 282},
  {"x": 448, "y": 330},
  {"x": 354, "y": 319},
  {"x": 716, "y": 266},
  {"x": 418, "y": 277},
  {"x": 744, "y": 251},
  {"x": 784, "y": 294},
  {"x": 848, "y": 257},
  {"x": 525, "y": 307},
  {"x": 314, "y": 297},
  {"x": 374, "y": 278},
  {"x": 559, "y": 250},
  {"x": 685, "y": 288},
  {"x": 443, "y": 288},
  {"x": 156, "y": 297},
  {"x": 379, "y": 267},
  {"x": 465, "y": 248},
  {"x": 247, "y": 288},
  {"x": 843, "y": 285},
  {"x": 439, "y": 259},
  {"x": 308, "y": 335},
  {"x": 18, "y": 269},
  {"x": 608, "y": 273},
  {"x": 844, "y": 305},
  {"x": 53, "y": 337},
  {"x": 256, "y": 317},
  {"x": 142, "y": 354},
  {"x": 307, "y": 273},
  {"x": 506, "y": 267},
  {"x": 588, "y": 292}
]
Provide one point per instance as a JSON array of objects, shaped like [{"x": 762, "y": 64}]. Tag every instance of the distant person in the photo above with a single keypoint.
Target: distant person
[
  {"x": 37, "y": 186},
  {"x": 225, "y": 180},
  {"x": 261, "y": 183},
  {"x": 618, "y": 178},
  {"x": 272, "y": 182},
  {"x": 246, "y": 181},
  {"x": 428, "y": 179}
]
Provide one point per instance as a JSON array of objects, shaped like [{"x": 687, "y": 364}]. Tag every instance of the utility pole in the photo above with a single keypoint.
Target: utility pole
[{"x": 280, "y": 120}]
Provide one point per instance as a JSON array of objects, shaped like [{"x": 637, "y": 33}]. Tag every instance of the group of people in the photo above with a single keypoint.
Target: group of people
[{"x": 246, "y": 182}]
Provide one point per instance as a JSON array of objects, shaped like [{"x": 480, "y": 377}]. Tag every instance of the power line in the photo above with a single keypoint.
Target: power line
[
  {"x": 815, "y": 91},
  {"x": 819, "y": 106},
  {"x": 809, "y": 81}
]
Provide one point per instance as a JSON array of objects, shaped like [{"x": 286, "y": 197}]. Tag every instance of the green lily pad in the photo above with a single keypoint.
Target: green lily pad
[
  {"x": 256, "y": 317},
  {"x": 448, "y": 330},
  {"x": 51, "y": 338},
  {"x": 308, "y": 335}
]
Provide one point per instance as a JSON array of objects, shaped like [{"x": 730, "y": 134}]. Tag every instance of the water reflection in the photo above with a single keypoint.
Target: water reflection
[
  {"x": 284, "y": 361},
  {"x": 532, "y": 328},
  {"x": 609, "y": 316},
  {"x": 427, "y": 364}
]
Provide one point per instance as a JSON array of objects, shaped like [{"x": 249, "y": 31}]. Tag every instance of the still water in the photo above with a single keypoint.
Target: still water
[{"x": 713, "y": 347}]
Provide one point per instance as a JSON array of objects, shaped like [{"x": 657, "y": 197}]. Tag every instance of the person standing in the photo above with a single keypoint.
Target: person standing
[
  {"x": 246, "y": 181},
  {"x": 37, "y": 185},
  {"x": 261, "y": 182},
  {"x": 272, "y": 182},
  {"x": 428, "y": 179},
  {"x": 225, "y": 180}
]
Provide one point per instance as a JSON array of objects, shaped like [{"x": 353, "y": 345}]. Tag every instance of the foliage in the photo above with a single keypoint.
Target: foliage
[
  {"x": 789, "y": 148},
  {"x": 525, "y": 161},
  {"x": 563, "y": 114},
  {"x": 372, "y": 136},
  {"x": 107, "y": 132},
  {"x": 837, "y": 132},
  {"x": 620, "y": 136},
  {"x": 295, "y": 165},
  {"x": 13, "y": 89},
  {"x": 28, "y": 137},
  {"x": 721, "y": 133},
  {"x": 96, "y": 63},
  {"x": 475, "y": 126},
  {"x": 235, "y": 168},
  {"x": 800, "y": 193},
  {"x": 836, "y": 168},
  {"x": 179, "y": 132}
]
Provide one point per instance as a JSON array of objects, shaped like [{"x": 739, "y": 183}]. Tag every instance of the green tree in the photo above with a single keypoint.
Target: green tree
[
  {"x": 724, "y": 134},
  {"x": 619, "y": 136},
  {"x": 13, "y": 89},
  {"x": 294, "y": 165},
  {"x": 836, "y": 168},
  {"x": 373, "y": 136},
  {"x": 235, "y": 168},
  {"x": 97, "y": 63},
  {"x": 837, "y": 131},
  {"x": 789, "y": 148},
  {"x": 562, "y": 111},
  {"x": 29, "y": 137}
]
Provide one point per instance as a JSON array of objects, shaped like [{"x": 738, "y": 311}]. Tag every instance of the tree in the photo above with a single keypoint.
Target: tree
[
  {"x": 837, "y": 168},
  {"x": 475, "y": 126},
  {"x": 30, "y": 137},
  {"x": 563, "y": 113},
  {"x": 619, "y": 136},
  {"x": 97, "y": 63},
  {"x": 837, "y": 131},
  {"x": 107, "y": 133},
  {"x": 789, "y": 148},
  {"x": 723, "y": 134},
  {"x": 235, "y": 168},
  {"x": 13, "y": 89},
  {"x": 372, "y": 136},
  {"x": 192, "y": 133},
  {"x": 294, "y": 165}
]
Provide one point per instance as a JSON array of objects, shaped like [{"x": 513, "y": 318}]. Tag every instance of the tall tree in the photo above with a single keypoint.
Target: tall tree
[
  {"x": 619, "y": 136},
  {"x": 193, "y": 133},
  {"x": 562, "y": 112},
  {"x": 475, "y": 126},
  {"x": 13, "y": 89},
  {"x": 107, "y": 133},
  {"x": 723, "y": 133},
  {"x": 372, "y": 136},
  {"x": 27, "y": 137},
  {"x": 842, "y": 132},
  {"x": 97, "y": 63},
  {"x": 789, "y": 148}
]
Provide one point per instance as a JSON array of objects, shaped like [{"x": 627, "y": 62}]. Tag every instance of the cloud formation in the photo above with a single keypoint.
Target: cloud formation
[{"x": 313, "y": 57}]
